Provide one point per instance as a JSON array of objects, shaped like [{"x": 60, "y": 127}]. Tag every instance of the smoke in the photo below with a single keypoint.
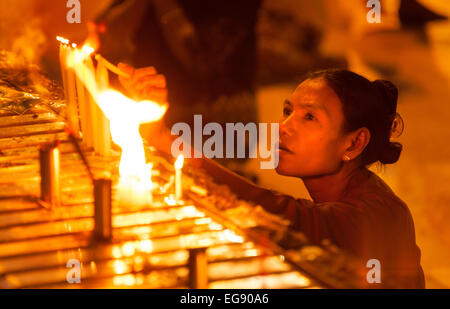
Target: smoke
[
  {"x": 21, "y": 31},
  {"x": 31, "y": 42}
]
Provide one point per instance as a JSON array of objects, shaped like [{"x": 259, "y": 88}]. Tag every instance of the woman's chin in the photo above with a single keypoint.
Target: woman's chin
[{"x": 284, "y": 170}]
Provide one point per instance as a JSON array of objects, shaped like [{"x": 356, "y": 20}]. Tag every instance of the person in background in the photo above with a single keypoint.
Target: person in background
[{"x": 207, "y": 52}]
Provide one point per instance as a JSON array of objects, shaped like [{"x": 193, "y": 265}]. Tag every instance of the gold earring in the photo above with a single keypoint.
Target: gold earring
[{"x": 346, "y": 158}]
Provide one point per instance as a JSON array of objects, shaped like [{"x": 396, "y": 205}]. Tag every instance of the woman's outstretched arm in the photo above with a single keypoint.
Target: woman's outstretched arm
[{"x": 159, "y": 136}]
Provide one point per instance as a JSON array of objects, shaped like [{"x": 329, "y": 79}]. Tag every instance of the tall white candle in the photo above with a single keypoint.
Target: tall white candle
[
  {"x": 178, "y": 178},
  {"x": 69, "y": 82},
  {"x": 71, "y": 99},
  {"x": 62, "y": 64},
  {"x": 91, "y": 111},
  {"x": 104, "y": 140},
  {"x": 85, "y": 125}
]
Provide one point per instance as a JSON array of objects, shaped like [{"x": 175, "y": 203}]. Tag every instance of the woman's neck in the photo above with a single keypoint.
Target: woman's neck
[{"x": 334, "y": 187}]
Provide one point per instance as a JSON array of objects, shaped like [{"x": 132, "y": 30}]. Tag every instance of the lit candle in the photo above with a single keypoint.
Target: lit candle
[
  {"x": 91, "y": 109},
  {"x": 69, "y": 83},
  {"x": 72, "y": 105},
  {"x": 178, "y": 183},
  {"x": 85, "y": 125},
  {"x": 72, "y": 108},
  {"x": 102, "y": 72},
  {"x": 62, "y": 62},
  {"x": 104, "y": 146},
  {"x": 83, "y": 105},
  {"x": 92, "y": 115},
  {"x": 170, "y": 200}
]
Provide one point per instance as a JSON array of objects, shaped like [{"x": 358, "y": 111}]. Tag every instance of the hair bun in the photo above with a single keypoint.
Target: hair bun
[
  {"x": 390, "y": 153},
  {"x": 389, "y": 92}
]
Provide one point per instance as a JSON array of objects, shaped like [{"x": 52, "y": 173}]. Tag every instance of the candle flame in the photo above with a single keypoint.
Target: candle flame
[
  {"x": 62, "y": 40},
  {"x": 170, "y": 200},
  {"x": 87, "y": 50},
  {"x": 92, "y": 38},
  {"x": 125, "y": 116},
  {"x": 179, "y": 162}
]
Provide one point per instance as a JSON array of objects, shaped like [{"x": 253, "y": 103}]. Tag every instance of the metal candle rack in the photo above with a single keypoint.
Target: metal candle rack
[
  {"x": 49, "y": 162},
  {"x": 102, "y": 209},
  {"x": 198, "y": 268}
]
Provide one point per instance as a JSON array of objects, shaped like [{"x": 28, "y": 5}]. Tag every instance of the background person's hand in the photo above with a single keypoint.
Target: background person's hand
[{"x": 144, "y": 83}]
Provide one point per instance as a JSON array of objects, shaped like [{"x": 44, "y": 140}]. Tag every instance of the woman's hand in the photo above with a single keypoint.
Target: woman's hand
[
  {"x": 147, "y": 84},
  {"x": 144, "y": 83}
]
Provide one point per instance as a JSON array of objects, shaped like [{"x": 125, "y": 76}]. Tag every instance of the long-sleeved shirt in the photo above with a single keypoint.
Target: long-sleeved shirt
[{"x": 371, "y": 222}]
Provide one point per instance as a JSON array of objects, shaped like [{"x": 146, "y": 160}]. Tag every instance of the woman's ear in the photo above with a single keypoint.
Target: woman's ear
[{"x": 358, "y": 141}]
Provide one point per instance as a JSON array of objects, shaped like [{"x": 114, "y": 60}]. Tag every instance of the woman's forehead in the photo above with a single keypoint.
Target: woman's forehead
[{"x": 315, "y": 93}]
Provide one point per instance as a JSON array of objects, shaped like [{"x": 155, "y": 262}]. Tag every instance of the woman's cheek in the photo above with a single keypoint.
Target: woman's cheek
[
  {"x": 327, "y": 157},
  {"x": 288, "y": 164},
  {"x": 314, "y": 155}
]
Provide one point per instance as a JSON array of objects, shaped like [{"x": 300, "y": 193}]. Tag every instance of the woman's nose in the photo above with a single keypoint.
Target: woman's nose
[{"x": 285, "y": 128}]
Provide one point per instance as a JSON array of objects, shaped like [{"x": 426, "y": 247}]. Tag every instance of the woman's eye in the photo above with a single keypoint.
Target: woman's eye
[
  {"x": 309, "y": 116},
  {"x": 286, "y": 112}
]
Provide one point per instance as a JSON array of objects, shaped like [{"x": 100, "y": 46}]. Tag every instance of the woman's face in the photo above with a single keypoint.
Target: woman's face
[{"x": 311, "y": 139}]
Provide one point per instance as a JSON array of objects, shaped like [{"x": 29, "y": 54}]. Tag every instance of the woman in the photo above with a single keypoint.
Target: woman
[{"x": 335, "y": 125}]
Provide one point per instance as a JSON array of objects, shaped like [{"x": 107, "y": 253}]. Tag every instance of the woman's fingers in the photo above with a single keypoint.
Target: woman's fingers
[
  {"x": 154, "y": 94},
  {"x": 139, "y": 73},
  {"x": 126, "y": 81},
  {"x": 144, "y": 83},
  {"x": 126, "y": 68},
  {"x": 158, "y": 81},
  {"x": 135, "y": 74}
]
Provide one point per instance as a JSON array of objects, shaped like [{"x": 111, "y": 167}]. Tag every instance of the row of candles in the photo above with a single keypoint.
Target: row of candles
[
  {"x": 84, "y": 116},
  {"x": 88, "y": 118}
]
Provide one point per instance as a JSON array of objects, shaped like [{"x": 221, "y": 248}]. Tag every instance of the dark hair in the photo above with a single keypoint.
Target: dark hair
[{"x": 367, "y": 104}]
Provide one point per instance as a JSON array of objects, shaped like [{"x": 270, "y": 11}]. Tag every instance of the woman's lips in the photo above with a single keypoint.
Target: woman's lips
[{"x": 283, "y": 148}]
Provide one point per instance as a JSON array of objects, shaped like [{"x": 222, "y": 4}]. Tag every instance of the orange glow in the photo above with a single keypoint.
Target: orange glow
[
  {"x": 120, "y": 267},
  {"x": 146, "y": 245},
  {"x": 92, "y": 39}
]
